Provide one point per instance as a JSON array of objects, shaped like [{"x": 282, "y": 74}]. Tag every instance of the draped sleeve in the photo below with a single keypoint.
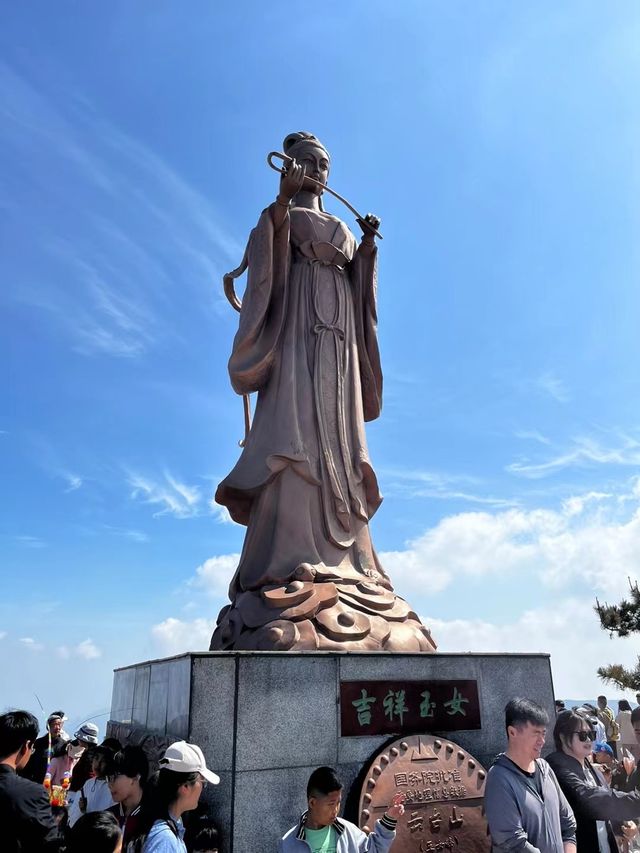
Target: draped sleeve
[
  {"x": 263, "y": 306},
  {"x": 364, "y": 277}
]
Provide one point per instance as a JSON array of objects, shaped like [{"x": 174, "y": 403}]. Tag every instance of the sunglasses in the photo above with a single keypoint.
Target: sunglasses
[{"x": 585, "y": 736}]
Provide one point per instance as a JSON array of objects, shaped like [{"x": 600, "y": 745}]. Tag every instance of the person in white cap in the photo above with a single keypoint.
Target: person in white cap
[{"x": 174, "y": 790}]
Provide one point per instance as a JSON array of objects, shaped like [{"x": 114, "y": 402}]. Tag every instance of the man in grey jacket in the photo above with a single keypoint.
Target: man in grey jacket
[
  {"x": 526, "y": 810},
  {"x": 320, "y": 829}
]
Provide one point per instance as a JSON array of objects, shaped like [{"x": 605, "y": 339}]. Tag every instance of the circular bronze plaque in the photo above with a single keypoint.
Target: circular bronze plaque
[{"x": 444, "y": 788}]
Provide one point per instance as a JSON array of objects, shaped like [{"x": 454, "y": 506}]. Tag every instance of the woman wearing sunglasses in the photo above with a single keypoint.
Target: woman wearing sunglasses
[{"x": 602, "y": 815}]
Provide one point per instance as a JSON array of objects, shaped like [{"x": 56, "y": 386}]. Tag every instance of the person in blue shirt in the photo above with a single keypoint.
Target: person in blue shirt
[{"x": 174, "y": 790}]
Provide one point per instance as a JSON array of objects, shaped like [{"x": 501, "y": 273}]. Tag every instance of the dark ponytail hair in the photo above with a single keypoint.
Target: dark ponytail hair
[
  {"x": 159, "y": 793},
  {"x": 130, "y": 761}
]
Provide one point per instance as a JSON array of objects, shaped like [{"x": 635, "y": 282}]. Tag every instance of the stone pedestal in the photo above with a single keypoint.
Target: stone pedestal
[{"x": 265, "y": 720}]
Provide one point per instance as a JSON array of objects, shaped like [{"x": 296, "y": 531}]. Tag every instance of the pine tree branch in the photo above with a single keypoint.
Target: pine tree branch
[
  {"x": 622, "y": 619},
  {"x": 625, "y": 679}
]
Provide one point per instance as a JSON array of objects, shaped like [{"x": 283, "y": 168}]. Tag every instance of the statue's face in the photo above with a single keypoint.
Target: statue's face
[{"x": 316, "y": 163}]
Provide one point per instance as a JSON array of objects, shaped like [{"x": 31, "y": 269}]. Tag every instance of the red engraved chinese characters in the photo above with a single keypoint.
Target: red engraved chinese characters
[{"x": 444, "y": 790}]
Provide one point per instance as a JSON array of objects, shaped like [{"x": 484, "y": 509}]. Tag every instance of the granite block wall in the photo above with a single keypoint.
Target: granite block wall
[{"x": 265, "y": 720}]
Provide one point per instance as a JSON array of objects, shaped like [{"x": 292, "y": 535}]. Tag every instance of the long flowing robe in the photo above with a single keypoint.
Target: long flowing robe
[{"x": 307, "y": 343}]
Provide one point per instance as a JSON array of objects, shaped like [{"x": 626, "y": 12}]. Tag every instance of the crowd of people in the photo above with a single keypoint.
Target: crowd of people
[
  {"x": 67, "y": 794},
  {"x": 75, "y": 795},
  {"x": 584, "y": 797},
  {"x": 616, "y": 730},
  {"x": 61, "y": 794}
]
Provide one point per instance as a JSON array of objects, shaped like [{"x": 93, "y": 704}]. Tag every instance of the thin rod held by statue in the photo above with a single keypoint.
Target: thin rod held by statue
[{"x": 283, "y": 171}]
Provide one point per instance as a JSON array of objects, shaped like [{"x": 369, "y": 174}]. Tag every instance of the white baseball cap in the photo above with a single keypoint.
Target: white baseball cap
[{"x": 183, "y": 757}]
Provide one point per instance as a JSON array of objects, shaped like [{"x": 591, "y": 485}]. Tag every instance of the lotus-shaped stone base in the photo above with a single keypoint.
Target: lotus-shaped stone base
[{"x": 310, "y": 614}]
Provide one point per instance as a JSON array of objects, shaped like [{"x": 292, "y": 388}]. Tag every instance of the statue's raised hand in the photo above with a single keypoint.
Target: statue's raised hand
[
  {"x": 369, "y": 225},
  {"x": 292, "y": 180}
]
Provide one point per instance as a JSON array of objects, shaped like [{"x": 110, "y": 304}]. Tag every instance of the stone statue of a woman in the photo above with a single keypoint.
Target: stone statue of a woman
[{"x": 304, "y": 485}]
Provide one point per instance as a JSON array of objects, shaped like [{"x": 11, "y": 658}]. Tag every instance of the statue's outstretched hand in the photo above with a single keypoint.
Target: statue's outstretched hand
[{"x": 292, "y": 181}]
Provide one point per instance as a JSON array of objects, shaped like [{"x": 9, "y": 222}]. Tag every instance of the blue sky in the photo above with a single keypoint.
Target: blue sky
[{"x": 498, "y": 142}]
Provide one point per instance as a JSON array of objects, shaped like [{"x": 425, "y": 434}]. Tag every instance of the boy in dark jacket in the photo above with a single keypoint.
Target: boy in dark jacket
[{"x": 25, "y": 815}]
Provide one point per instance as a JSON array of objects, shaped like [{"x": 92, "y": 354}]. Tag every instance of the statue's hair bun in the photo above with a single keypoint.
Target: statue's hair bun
[{"x": 294, "y": 139}]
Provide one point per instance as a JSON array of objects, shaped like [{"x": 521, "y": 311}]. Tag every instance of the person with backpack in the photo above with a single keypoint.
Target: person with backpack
[{"x": 611, "y": 728}]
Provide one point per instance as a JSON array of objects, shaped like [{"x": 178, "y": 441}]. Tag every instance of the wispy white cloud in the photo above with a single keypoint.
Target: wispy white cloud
[
  {"x": 583, "y": 452},
  {"x": 128, "y": 533},
  {"x": 191, "y": 495},
  {"x": 553, "y": 386},
  {"x": 174, "y": 636},
  {"x": 113, "y": 317},
  {"x": 465, "y": 497},
  {"x": 168, "y": 494},
  {"x": 436, "y": 479},
  {"x": 102, "y": 320},
  {"x": 87, "y": 650},
  {"x": 411, "y": 483},
  {"x": 74, "y": 481},
  {"x": 175, "y": 497},
  {"x": 141, "y": 232},
  {"x": 31, "y": 644},
  {"x": 532, "y": 435},
  {"x": 31, "y": 541},
  {"x": 220, "y": 513},
  {"x": 576, "y": 504},
  {"x": 52, "y": 461}
]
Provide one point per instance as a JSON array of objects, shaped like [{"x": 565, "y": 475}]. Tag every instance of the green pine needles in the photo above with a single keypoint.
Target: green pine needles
[{"x": 622, "y": 619}]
